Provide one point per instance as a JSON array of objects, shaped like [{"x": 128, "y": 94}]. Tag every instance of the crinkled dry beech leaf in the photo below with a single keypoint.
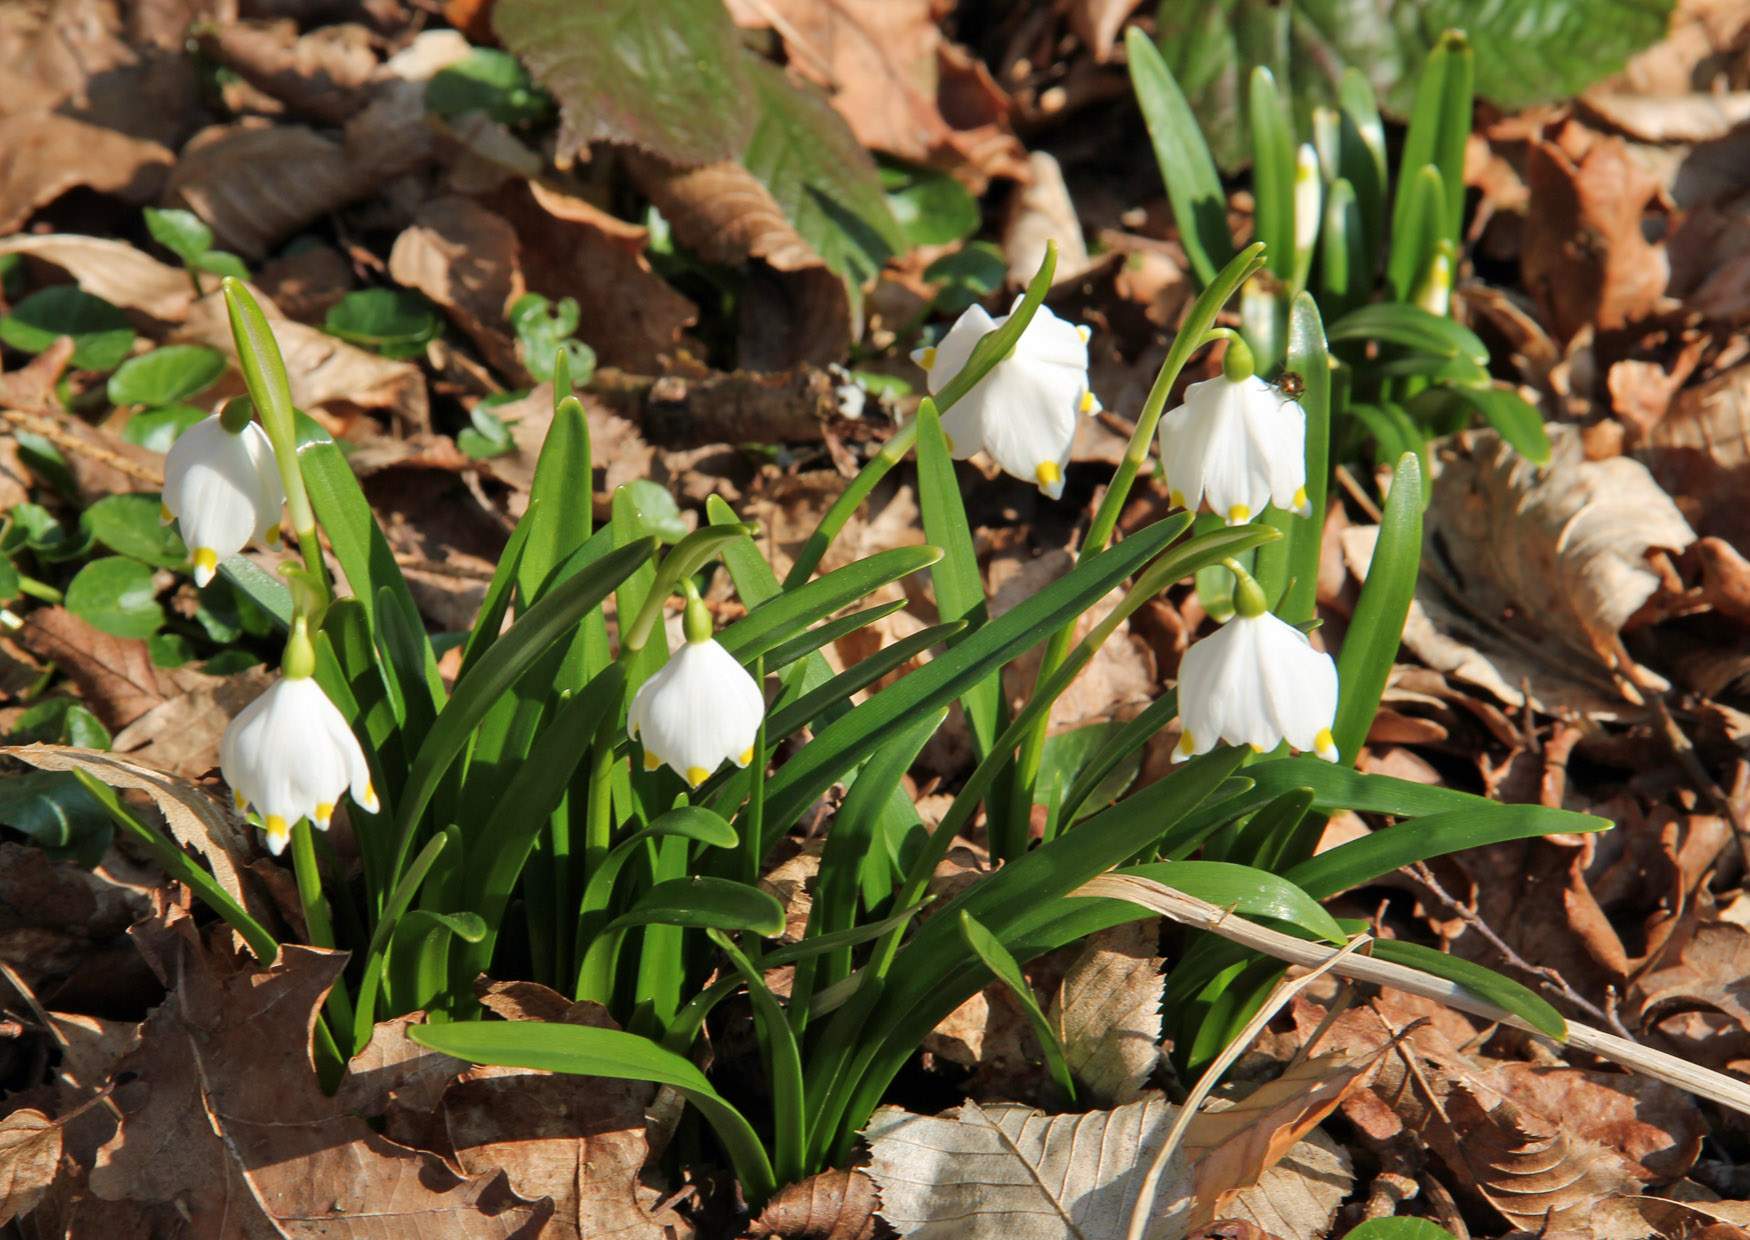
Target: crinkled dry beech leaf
[
  {"x": 48, "y": 154},
  {"x": 464, "y": 258},
  {"x": 834, "y": 1205},
  {"x": 193, "y": 818},
  {"x": 257, "y": 185},
  {"x": 322, "y": 75},
  {"x": 223, "y": 1117},
  {"x": 1531, "y": 574},
  {"x": 882, "y": 60},
  {"x": 1700, "y": 453},
  {"x": 1013, "y": 1173},
  {"x": 181, "y": 736},
  {"x": 1298, "y": 1196},
  {"x": 1097, "y": 23},
  {"x": 112, "y": 270},
  {"x": 30, "y": 1154},
  {"x": 323, "y": 369},
  {"x": 114, "y": 675},
  {"x": 1107, "y": 1011}
]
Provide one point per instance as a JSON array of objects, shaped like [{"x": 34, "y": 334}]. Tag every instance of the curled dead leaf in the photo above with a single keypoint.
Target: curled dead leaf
[
  {"x": 1108, "y": 1011},
  {"x": 30, "y": 1155},
  {"x": 45, "y": 154},
  {"x": 112, "y": 270},
  {"x": 323, "y": 74},
  {"x": 464, "y": 258},
  {"x": 1700, "y": 453},
  {"x": 834, "y": 1205}
]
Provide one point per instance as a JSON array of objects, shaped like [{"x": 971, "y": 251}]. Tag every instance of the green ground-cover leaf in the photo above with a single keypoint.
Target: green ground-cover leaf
[
  {"x": 117, "y": 595},
  {"x": 101, "y": 334}
]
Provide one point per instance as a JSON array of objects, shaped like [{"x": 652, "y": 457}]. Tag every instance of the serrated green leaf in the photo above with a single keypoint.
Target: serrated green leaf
[{"x": 667, "y": 76}]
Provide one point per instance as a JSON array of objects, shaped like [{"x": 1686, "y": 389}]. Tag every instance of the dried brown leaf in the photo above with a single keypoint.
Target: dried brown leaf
[
  {"x": 794, "y": 308},
  {"x": 112, "y": 270},
  {"x": 834, "y": 1205},
  {"x": 256, "y": 185},
  {"x": 114, "y": 675},
  {"x": 1700, "y": 453},
  {"x": 1586, "y": 257},
  {"x": 1535, "y": 572},
  {"x": 1299, "y": 1195},
  {"x": 30, "y": 1154},
  {"x": 43, "y": 155},
  {"x": 1013, "y": 1173},
  {"x": 181, "y": 736},
  {"x": 191, "y": 816},
  {"x": 1107, "y": 1012},
  {"x": 1043, "y": 213},
  {"x": 1230, "y": 1147},
  {"x": 464, "y": 258},
  {"x": 570, "y": 248},
  {"x": 323, "y": 74},
  {"x": 1097, "y": 23},
  {"x": 893, "y": 79},
  {"x": 223, "y": 1117}
]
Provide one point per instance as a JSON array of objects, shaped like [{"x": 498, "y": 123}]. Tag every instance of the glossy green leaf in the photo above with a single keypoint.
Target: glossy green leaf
[
  {"x": 1248, "y": 891},
  {"x": 1370, "y": 645},
  {"x": 783, "y": 1064},
  {"x": 1272, "y": 170},
  {"x": 1417, "y": 234},
  {"x": 1307, "y": 358},
  {"x": 157, "y": 429},
  {"x": 930, "y": 206},
  {"x": 1519, "y": 423},
  {"x": 166, "y": 375},
  {"x": 989, "y": 949},
  {"x": 1440, "y": 123},
  {"x": 704, "y": 902},
  {"x": 101, "y": 334},
  {"x": 959, "y": 586},
  {"x": 560, "y": 500},
  {"x": 581, "y": 1050},
  {"x": 53, "y": 810},
  {"x": 1345, "y": 264},
  {"x": 785, "y": 615},
  {"x": 1410, "y": 326},
  {"x": 117, "y": 595},
  {"x": 1120, "y": 745},
  {"x": 490, "y": 81},
  {"x": 1399, "y": 1229},
  {"x": 1194, "y": 190},
  {"x": 394, "y": 322},
  {"x": 821, "y": 635},
  {"x": 1484, "y": 983},
  {"x": 130, "y": 525},
  {"x": 181, "y": 232}
]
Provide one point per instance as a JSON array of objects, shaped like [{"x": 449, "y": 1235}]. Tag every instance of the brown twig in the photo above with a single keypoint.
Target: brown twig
[{"x": 52, "y": 430}]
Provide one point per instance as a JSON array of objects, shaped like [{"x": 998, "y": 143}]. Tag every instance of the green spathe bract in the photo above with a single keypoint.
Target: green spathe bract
[{"x": 521, "y": 832}]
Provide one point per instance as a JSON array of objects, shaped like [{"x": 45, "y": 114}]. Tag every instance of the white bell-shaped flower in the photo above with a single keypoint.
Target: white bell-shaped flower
[
  {"x": 223, "y": 489},
  {"x": 1256, "y": 681},
  {"x": 290, "y": 755},
  {"x": 1237, "y": 444},
  {"x": 1023, "y": 413},
  {"x": 701, "y": 710}
]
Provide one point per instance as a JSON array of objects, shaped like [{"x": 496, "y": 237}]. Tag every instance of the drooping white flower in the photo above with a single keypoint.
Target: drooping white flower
[
  {"x": 223, "y": 489},
  {"x": 1256, "y": 681},
  {"x": 290, "y": 755},
  {"x": 1023, "y": 413},
  {"x": 1237, "y": 444},
  {"x": 700, "y": 710}
]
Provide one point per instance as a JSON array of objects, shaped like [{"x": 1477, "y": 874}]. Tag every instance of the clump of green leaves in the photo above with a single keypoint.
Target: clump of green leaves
[
  {"x": 545, "y": 330},
  {"x": 187, "y": 236}
]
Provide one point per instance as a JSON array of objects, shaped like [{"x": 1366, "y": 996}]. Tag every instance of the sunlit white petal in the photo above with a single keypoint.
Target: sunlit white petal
[
  {"x": 1257, "y": 681},
  {"x": 1236, "y": 446},
  {"x": 700, "y": 710},
  {"x": 289, "y": 754},
  {"x": 1023, "y": 412},
  {"x": 223, "y": 490}
]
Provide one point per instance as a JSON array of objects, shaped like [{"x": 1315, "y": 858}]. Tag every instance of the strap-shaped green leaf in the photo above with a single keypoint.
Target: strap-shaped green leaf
[
  {"x": 560, "y": 501},
  {"x": 1370, "y": 646},
  {"x": 783, "y": 616},
  {"x": 783, "y": 1064},
  {"x": 1417, "y": 230},
  {"x": 989, "y": 949},
  {"x": 1249, "y": 891},
  {"x": 1272, "y": 170},
  {"x": 1187, "y": 169},
  {"x": 1519, "y": 423},
  {"x": 1410, "y": 326},
  {"x": 581, "y": 1050},
  {"x": 1483, "y": 982}
]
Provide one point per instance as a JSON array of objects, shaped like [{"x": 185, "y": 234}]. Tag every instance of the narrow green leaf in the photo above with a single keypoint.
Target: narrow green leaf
[
  {"x": 1300, "y": 550},
  {"x": 1417, "y": 230},
  {"x": 581, "y": 1050},
  {"x": 989, "y": 949},
  {"x": 1410, "y": 326},
  {"x": 1370, "y": 645},
  {"x": 783, "y": 1064},
  {"x": 1519, "y": 423},
  {"x": 806, "y": 643},
  {"x": 704, "y": 903},
  {"x": 1248, "y": 891},
  {"x": 1344, "y": 262},
  {"x": 1272, "y": 171},
  {"x": 1484, "y": 983},
  {"x": 783, "y": 616},
  {"x": 560, "y": 501},
  {"x": 1187, "y": 170}
]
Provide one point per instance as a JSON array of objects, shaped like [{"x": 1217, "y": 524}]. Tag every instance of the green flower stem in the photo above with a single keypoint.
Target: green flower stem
[
  {"x": 753, "y": 832},
  {"x": 316, "y": 920},
  {"x": 1195, "y": 334},
  {"x": 688, "y": 557},
  {"x": 264, "y": 373}
]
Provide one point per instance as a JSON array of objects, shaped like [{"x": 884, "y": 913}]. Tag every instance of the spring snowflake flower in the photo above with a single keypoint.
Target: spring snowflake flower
[
  {"x": 1023, "y": 413},
  {"x": 222, "y": 488},
  {"x": 1237, "y": 443},
  {"x": 701, "y": 710},
  {"x": 1256, "y": 681},
  {"x": 290, "y": 755}
]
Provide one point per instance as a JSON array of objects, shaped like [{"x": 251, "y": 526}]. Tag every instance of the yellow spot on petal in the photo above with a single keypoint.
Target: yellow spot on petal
[
  {"x": 1325, "y": 745},
  {"x": 164, "y": 514},
  {"x": 206, "y": 563},
  {"x": 697, "y": 775},
  {"x": 1177, "y": 499},
  {"x": 1187, "y": 745},
  {"x": 276, "y": 830},
  {"x": 1049, "y": 473},
  {"x": 1238, "y": 513},
  {"x": 928, "y": 360},
  {"x": 746, "y": 756},
  {"x": 651, "y": 761},
  {"x": 370, "y": 801},
  {"x": 1257, "y": 748},
  {"x": 1087, "y": 402},
  {"x": 1300, "y": 500},
  {"x": 324, "y": 811},
  {"x": 239, "y": 801},
  {"x": 1085, "y": 332},
  {"x": 272, "y": 535}
]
